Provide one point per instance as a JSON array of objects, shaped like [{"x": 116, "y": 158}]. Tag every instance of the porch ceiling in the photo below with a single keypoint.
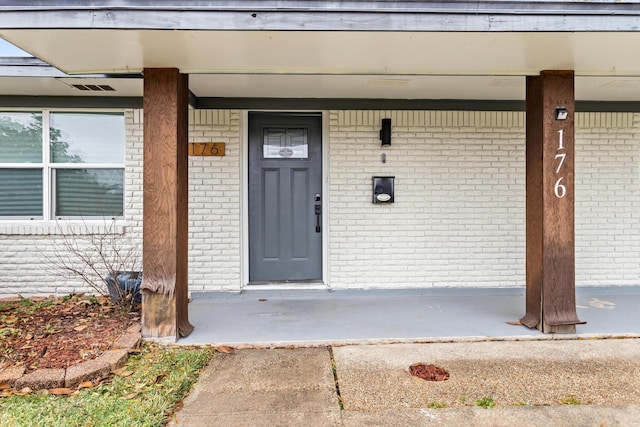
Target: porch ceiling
[{"x": 333, "y": 64}]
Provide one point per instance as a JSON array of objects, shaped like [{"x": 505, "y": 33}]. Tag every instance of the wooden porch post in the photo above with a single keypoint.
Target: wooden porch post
[
  {"x": 165, "y": 205},
  {"x": 550, "y": 294}
]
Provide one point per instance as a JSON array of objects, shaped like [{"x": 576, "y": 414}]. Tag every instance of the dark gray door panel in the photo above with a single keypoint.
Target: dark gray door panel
[{"x": 285, "y": 177}]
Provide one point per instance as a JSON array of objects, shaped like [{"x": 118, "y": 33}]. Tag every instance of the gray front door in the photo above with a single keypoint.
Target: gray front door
[{"x": 285, "y": 197}]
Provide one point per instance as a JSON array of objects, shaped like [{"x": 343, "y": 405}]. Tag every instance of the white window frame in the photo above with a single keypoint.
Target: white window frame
[{"x": 48, "y": 170}]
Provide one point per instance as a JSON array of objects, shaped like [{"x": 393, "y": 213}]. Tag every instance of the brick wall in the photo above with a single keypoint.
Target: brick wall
[
  {"x": 214, "y": 199},
  {"x": 214, "y": 203},
  {"x": 607, "y": 200},
  {"x": 458, "y": 219},
  {"x": 27, "y": 246},
  {"x": 458, "y": 216},
  {"x": 214, "y": 227}
]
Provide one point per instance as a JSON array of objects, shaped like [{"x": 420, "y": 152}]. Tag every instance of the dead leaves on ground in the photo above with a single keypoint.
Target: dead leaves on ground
[
  {"x": 6, "y": 390},
  {"x": 225, "y": 349},
  {"x": 123, "y": 372},
  {"x": 58, "y": 332},
  {"x": 9, "y": 320},
  {"x": 62, "y": 391}
]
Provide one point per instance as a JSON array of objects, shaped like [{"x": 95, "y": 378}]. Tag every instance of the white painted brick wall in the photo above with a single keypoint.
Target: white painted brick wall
[
  {"x": 607, "y": 200},
  {"x": 214, "y": 227},
  {"x": 458, "y": 216},
  {"x": 26, "y": 245},
  {"x": 458, "y": 220},
  {"x": 214, "y": 203},
  {"x": 214, "y": 199}
]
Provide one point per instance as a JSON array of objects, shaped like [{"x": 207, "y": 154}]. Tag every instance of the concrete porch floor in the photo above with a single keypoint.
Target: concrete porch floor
[{"x": 265, "y": 318}]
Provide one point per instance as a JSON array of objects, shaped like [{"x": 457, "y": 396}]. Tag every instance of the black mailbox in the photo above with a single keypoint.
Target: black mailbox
[{"x": 383, "y": 189}]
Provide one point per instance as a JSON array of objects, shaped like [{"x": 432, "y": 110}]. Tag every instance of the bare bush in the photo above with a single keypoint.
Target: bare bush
[{"x": 105, "y": 260}]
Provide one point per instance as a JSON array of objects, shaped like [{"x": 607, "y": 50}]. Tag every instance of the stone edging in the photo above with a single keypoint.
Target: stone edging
[{"x": 73, "y": 376}]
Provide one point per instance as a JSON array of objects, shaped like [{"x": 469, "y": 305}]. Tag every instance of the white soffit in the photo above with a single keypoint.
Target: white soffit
[
  {"x": 313, "y": 52},
  {"x": 360, "y": 86},
  {"x": 604, "y": 88},
  {"x": 44, "y": 86},
  {"x": 315, "y": 86}
]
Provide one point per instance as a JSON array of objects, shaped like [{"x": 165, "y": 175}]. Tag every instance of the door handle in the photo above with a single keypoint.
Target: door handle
[{"x": 318, "y": 211}]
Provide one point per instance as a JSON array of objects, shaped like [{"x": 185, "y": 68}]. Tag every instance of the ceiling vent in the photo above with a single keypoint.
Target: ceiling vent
[{"x": 94, "y": 88}]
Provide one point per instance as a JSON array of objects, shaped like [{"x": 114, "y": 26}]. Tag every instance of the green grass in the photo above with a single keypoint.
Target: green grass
[
  {"x": 487, "y": 402},
  {"x": 29, "y": 306},
  {"x": 153, "y": 382},
  {"x": 436, "y": 405}
]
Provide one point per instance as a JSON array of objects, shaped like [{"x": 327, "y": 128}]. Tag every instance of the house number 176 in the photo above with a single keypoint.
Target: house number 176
[{"x": 559, "y": 189}]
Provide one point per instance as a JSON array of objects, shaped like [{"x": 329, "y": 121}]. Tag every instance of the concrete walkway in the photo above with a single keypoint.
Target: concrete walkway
[
  {"x": 534, "y": 379},
  {"x": 532, "y": 383}
]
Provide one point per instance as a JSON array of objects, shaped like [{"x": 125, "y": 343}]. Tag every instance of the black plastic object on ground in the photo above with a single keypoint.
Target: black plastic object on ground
[{"x": 129, "y": 282}]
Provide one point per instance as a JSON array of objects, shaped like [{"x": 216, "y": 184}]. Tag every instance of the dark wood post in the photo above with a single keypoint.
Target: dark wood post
[
  {"x": 165, "y": 204},
  {"x": 550, "y": 295}
]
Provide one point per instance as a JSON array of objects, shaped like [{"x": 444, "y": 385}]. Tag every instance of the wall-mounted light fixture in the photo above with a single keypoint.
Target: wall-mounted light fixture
[
  {"x": 561, "y": 113},
  {"x": 385, "y": 132}
]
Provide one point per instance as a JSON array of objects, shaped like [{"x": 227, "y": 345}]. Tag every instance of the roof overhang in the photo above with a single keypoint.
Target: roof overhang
[
  {"x": 327, "y": 49},
  {"x": 325, "y": 15}
]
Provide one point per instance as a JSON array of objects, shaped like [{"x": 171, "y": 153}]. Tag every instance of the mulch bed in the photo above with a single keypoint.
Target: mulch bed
[{"x": 59, "y": 332}]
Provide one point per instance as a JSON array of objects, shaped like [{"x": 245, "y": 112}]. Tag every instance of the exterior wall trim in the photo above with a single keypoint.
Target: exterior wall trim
[
  {"x": 322, "y": 104},
  {"x": 11, "y": 101},
  {"x": 310, "y": 104},
  {"x": 244, "y": 208},
  {"x": 464, "y": 15}
]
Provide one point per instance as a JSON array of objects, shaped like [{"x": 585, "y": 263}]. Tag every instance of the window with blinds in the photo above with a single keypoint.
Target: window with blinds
[
  {"x": 21, "y": 193},
  {"x": 61, "y": 165}
]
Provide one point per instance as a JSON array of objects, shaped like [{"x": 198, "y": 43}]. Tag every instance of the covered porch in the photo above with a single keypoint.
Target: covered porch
[
  {"x": 315, "y": 317},
  {"x": 550, "y": 60}
]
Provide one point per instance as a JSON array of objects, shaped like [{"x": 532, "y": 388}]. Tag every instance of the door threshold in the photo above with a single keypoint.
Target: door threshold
[{"x": 281, "y": 286}]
